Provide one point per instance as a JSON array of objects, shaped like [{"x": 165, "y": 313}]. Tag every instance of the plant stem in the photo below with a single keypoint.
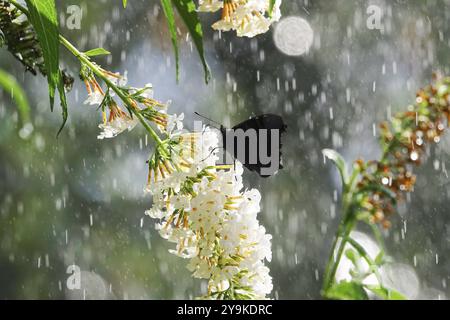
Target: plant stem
[
  {"x": 343, "y": 235},
  {"x": 345, "y": 228},
  {"x": 331, "y": 261},
  {"x": 84, "y": 59},
  {"x": 80, "y": 56},
  {"x": 363, "y": 253},
  {"x": 378, "y": 237}
]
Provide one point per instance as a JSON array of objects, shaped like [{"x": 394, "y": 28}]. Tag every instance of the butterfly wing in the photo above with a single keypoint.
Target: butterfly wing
[{"x": 266, "y": 121}]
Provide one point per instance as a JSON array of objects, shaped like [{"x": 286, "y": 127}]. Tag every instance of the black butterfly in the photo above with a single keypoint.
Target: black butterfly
[{"x": 253, "y": 145}]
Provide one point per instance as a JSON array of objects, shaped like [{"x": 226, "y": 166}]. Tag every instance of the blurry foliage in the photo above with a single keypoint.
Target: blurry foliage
[
  {"x": 9, "y": 84},
  {"x": 49, "y": 185},
  {"x": 372, "y": 190}
]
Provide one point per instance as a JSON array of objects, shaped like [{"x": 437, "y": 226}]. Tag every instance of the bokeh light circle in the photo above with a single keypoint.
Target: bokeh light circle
[{"x": 293, "y": 36}]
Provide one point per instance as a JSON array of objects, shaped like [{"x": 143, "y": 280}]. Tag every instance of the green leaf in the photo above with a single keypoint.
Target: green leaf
[
  {"x": 387, "y": 294},
  {"x": 347, "y": 291},
  {"x": 187, "y": 11},
  {"x": 124, "y": 2},
  {"x": 379, "y": 260},
  {"x": 168, "y": 12},
  {"x": 338, "y": 161},
  {"x": 43, "y": 17},
  {"x": 9, "y": 84},
  {"x": 97, "y": 52},
  {"x": 271, "y": 6}
]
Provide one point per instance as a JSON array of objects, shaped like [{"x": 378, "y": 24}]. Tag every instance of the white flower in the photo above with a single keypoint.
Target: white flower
[
  {"x": 148, "y": 93},
  {"x": 155, "y": 213},
  {"x": 117, "y": 78},
  {"x": 204, "y": 210},
  {"x": 223, "y": 25},
  {"x": 209, "y": 5},
  {"x": 253, "y": 25},
  {"x": 94, "y": 98},
  {"x": 248, "y": 17},
  {"x": 180, "y": 202},
  {"x": 260, "y": 281},
  {"x": 113, "y": 128},
  {"x": 118, "y": 122},
  {"x": 174, "y": 122},
  {"x": 95, "y": 92},
  {"x": 190, "y": 154},
  {"x": 226, "y": 23}
]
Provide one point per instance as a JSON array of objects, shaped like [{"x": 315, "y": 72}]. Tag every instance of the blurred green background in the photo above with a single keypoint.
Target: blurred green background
[{"x": 78, "y": 200}]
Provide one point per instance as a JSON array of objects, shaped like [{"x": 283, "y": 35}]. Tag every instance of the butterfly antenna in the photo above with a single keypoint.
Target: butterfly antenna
[
  {"x": 210, "y": 154},
  {"x": 210, "y": 120}
]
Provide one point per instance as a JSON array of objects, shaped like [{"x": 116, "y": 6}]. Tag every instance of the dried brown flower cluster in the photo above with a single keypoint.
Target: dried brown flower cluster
[{"x": 404, "y": 140}]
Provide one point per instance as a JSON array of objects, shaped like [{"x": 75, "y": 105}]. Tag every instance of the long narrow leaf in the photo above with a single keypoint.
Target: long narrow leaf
[
  {"x": 339, "y": 162},
  {"x": 97, "y": 52},
  {"x": 44, "y": 19},
  {"x": 187, "y": 11},
  {"x": 170, "y": 17}
]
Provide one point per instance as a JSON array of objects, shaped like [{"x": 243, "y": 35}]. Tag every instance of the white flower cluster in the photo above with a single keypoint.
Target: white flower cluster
[
  {"x": 119, "y": 120},
  {"x": 202, "y": 206},
  {"x": 116, "y": 124},
  {"x": 247, "y": 17},
  {"x": 203, "y": 209}
]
